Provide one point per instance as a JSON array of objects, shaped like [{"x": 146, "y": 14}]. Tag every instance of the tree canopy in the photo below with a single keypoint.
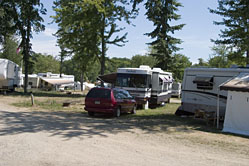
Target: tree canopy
[
  {"x": 235, "y": 15},
  {"x": 21, "y": 18},
  {"x": 161, "y": 13}
]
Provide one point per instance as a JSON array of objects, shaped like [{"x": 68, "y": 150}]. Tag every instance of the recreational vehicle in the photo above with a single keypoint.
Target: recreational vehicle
[
  {"x": 148, "y": 86},
  {"x": 10, "y": 75},
  {"x": 176, "y": 89},
  {"x": 200, "y": 89}
]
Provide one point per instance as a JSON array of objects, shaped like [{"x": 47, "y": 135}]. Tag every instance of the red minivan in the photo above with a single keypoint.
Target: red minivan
[{"x": 109, "y": 100}]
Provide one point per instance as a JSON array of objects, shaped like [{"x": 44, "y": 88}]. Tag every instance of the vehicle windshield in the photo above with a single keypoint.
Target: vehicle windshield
[{"x": 133, "y": 80}]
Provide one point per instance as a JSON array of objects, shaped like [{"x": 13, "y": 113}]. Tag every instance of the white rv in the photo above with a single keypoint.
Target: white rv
[
  {"x": 200, "y": 89},
  {"x": 10, "y": 75},
  {"x": 148, "y": 86}
]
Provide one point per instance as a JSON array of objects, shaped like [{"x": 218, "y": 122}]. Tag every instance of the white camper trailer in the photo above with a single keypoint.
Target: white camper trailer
[
  {"x": 200, "y": 89},
  {"x": 10, "y": 75},
  {"x": 148, "y": 86},
  {"x": 176, "y": 89}
]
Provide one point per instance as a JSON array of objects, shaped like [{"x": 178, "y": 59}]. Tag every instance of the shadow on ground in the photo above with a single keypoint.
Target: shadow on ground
[
  {"x": 45, "y": 94},
  {"x": 69, "y": 125}
]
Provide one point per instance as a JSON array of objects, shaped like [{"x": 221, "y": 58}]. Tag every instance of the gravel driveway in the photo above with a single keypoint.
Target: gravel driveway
[{"x": 60, "y": 138}]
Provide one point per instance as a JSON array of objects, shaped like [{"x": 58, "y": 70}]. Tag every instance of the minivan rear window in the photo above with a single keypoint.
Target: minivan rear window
[{"x": 99, "y": 93}]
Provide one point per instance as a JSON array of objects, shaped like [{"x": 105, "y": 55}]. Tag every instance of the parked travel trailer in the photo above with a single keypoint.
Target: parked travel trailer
[
  {"x": 148, "y": 86},
  {"x": 10, "y": 75},
  {"x": 176, "y": 89},
  {"x": 33, "y": 81},
  {"x": 200, "y": 89}
]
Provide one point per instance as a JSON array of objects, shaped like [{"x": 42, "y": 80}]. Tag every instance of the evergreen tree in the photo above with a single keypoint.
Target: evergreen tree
[
  {"x": 236, "y": 21},
  {"x": 161, "y": 13}
]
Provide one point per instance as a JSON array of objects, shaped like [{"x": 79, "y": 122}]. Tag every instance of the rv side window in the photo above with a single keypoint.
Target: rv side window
[{"x": 204, "y": 82}]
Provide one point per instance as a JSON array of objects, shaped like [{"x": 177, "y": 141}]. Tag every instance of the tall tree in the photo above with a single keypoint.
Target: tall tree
[
  {"x": 219, "y": 57},
  {"x": 24, "y": 17},
  {"x": 201, "y": 63},
  {"x": 77, "y": 34},
  {"x": 44, "y": 63},
  {"x": 89, "y": 26},
  {"x": 9, "y": 48},
  {"x": 235, "y": 15},
  {"x": 148, "y": 60},
  {"x": 161, "y": 13},
  {"x": 5, "y": 21},
  {"x": 180, "y": 62},
  {"x": 63, "y": 54},
  {"x": 111, "y": 12}
]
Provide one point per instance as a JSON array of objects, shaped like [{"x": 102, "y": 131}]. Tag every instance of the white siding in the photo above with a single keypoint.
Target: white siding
[{"x": 237, "y": 113}]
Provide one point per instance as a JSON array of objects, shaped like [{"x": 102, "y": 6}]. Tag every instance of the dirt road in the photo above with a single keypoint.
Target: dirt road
[{"x": 60, "y": 138}]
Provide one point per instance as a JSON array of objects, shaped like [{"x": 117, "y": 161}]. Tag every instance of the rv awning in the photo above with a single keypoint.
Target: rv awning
[
  {"x": 57, "y": 81},
  {"x": 108, "y": 78},
  {"x": 239, "y": 83},
  {"x": 163, "y": 78},
  {"x": 203, "y": 79}
]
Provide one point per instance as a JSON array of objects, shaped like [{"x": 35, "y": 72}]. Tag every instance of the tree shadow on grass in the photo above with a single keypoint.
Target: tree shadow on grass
[
  {"x": 46, "y": 94},
  {"x": 80, "y": 125}
]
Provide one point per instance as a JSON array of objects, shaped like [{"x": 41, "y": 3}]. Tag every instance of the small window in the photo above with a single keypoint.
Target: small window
[
  {"x": 99, "y": 93},
  {"x": 30, "y": 83},
  {"x": 204, "y": 82},
  {"x": 46, "y": 83},
  {"x": 121, "y": 94}
]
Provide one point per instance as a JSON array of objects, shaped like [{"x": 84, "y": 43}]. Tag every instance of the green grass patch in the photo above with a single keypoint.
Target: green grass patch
[
  {"x": 164, "y": 119},
  {"x": 51, "y": 105},
  {"x": 160, "y": 111},
  {"x": 41, "y": 93}
]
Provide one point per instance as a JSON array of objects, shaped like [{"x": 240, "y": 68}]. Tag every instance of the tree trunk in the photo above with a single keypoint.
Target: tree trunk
[
  {"x": 247, "y": 57},
  {"x": 26, "y": 55},
  {"x": 25, "y": 64},
  {"x": 61, "y": 66},
  {"x": 103, "y": 45},
  {"x": 81, "y": 80}
]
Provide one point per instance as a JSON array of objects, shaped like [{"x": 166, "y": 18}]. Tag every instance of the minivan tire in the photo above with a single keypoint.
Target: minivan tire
[
  {"x": 90, "y": 113},
  {"x": 134, "y": 109},
  {"x": 117, "y": 112}
]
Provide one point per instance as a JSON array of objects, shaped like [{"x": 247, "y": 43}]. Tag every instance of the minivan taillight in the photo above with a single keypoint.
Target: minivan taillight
[{"x": 113, "y": 101}]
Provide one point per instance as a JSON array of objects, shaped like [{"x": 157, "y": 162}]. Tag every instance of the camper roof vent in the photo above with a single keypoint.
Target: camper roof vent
[
  {"x": 144, "y": 67},
  {"x": 157, "y": 69}
]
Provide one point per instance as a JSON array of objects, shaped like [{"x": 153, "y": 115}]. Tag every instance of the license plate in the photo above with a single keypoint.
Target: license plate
[{"x": 97, "y": 102}]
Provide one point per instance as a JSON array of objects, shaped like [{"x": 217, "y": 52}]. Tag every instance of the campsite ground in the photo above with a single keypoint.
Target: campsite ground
[{"x": 48, "y": 134}]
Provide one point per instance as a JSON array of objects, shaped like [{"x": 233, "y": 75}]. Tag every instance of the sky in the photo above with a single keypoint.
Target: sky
[{"x": 196, "y": 34}]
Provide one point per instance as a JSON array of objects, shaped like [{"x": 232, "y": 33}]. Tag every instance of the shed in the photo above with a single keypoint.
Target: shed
[{"x": 237, "y": 107}]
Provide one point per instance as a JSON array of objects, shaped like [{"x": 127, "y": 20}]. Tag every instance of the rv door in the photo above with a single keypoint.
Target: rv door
[{"x": 155, "y": 83}]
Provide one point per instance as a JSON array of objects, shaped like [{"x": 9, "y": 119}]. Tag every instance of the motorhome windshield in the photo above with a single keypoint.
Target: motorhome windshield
[{"x": 133, "y": 80}]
